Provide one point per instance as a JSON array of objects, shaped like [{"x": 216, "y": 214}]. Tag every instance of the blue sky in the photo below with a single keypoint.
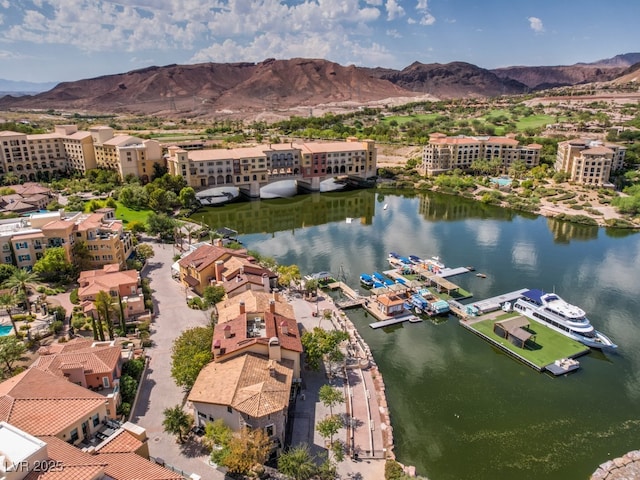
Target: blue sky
[{"x": 57, "y": 40}]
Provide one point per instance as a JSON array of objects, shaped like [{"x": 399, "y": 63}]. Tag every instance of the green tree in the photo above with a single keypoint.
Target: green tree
[
  {"x": 191, "y": 351},
  {"x": 328, "y": 427},
  {"x": 21, "y": 282},
  {"x": 297, "y": 463},
  {"x": 160, "y": 224},
  {"x": 320, "y": 343},
  {"x": 6, "y": 270},
  {"x": 176, "y": 422},
  {"x": 144, "y": 251},
  {"x": 106, "y": 308},
  {"x": 11, "y": 350},
  {"x": 330, "y": 397},
  {"x": 248, "y": 449},
  {"x": 81, "y": 255},
  {"x": 7, "y": 302},
  {"x": 218, "y": 433},
  {"x": 517, "y": 169},
  {"x": 128, "y": 388},
  {"x": 213, "y": 294},
  {"x": 288, "y": 275},
  {"x": 188, "y": 197},
  {"x": 54, "y": 266}
]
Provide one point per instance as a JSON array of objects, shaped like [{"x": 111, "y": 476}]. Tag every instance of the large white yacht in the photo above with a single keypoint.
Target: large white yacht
[{"x": 552, "y": 311}]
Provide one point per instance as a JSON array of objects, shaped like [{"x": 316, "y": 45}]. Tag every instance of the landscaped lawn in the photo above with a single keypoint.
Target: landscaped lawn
[
  {"x": 127, "y": 215},
  {"x": 547, "y": 346},
  {"x": 402, "y": 119}
]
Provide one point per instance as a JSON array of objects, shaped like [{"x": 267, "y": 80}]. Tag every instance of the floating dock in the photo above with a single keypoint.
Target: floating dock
[
  {"x": 395, "y": 320},
  {"x": 492, "y": 304},
  {"x": 553, "y": 345}
]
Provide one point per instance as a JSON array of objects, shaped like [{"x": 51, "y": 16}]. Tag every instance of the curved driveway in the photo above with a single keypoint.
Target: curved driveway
[{"x": 158, "y": 390}]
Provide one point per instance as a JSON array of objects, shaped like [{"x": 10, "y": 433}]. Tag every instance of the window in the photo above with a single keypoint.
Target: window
[
  {"x": 96, "y": 419},
  {"x": 74, "y": 435},
  {"x": 270, "y": 430},
  {"x": 229, "y": 409}
]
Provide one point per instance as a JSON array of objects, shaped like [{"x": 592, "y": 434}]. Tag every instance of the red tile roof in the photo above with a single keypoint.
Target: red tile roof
[
  {"x": 239, "y": 339},
  {"x": 96, "y": 360},
  {"x": 121, "y": 442},
  {"x": 41, "y": 403}
]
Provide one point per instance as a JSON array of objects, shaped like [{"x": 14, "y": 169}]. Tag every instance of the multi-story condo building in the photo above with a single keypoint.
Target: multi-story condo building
[
  {"x": 31, "y": 157},
  {"x": 125, "y": 154},
  {"x": 24, "y": 241},
  {"x": 445, "y": 153},
  {"x": 589, "y": 161},
  {"x": 250, "y": 168},
  {"x": 40, "y": 156},
  {"x": 78, "y": 147}
]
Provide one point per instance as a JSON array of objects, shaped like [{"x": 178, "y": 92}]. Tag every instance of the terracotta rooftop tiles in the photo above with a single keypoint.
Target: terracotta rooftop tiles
[
  {"x": 97, "y": 360},
  {"x": 41, "y": 403},
  {"x": 122, "y": 442},
  {"x": 254, "y": 301},
  {"x": 130, "y": 466},
  {"x": 249, "y": 383}
]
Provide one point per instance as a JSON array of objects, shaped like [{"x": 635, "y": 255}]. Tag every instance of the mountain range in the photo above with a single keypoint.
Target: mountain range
[{"x": 243, "y": 90}]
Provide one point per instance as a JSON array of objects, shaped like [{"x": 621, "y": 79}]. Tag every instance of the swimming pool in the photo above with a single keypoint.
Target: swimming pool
[
  {"x": 5, "y": 330},
  {"x": 503, "y": 182}
]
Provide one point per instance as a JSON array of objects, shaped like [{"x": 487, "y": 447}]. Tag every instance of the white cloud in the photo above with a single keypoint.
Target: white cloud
[
  {"x": 422, "y": 8},
  {"x": 411, "y": 21},
  {"x": 428, "y": 19},
  {"x": 5, "y": 4},
  {"x": 393, "y": 33},
  {"x": 536, "y": 24},
  {"x": 199, "y": 25},
  {"x": 394, "y": 10}
]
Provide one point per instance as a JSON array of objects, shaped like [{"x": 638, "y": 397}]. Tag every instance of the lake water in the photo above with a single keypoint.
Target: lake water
[{"x": 459, "y": 408}]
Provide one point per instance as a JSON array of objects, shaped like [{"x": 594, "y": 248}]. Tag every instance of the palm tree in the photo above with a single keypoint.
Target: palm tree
[
  {"x": 106, "y": 308},
  {"x": 20, "y": 282},
  {"x": 176, "y": 422},
  {"x": 7, "y": 302}
]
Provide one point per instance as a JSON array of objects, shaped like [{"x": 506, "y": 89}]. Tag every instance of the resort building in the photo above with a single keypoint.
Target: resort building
[
  {"x": 23, "y": 241},
  {"x": 43, "y": 156},
  {"x": 250, "y": 168},
  {"x": 78, "y": 148},
  {"x": 246, "y": 391},
  {"x": 589, "y": 162},
  {"x": 125, "y": 154},
  {"x": 122, "y": 286},
  {"x": 444, "y": 153},
  {"x": 235, "y": 270}
]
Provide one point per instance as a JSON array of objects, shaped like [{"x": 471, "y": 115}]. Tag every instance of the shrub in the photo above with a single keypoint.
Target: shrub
[
  {"x": 196, "y": 303},
  {"x": 392, "y": 470},
  {"x": 78, "y": 322},
  {"x": 73, "y": 297},
  {"x": 56, "y": 327}
]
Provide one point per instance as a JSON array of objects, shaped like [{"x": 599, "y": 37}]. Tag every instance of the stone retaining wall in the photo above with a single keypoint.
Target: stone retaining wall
[{"x": 625, "y": 467}]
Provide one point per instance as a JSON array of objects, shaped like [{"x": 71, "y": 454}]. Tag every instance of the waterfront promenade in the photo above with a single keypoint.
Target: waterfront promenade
[{"x": 367, "y": 429}]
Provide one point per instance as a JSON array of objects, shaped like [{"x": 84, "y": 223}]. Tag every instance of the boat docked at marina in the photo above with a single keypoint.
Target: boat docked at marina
[
  {"x": 366, "y": 280},
  {"x": 551, "y": 310}
]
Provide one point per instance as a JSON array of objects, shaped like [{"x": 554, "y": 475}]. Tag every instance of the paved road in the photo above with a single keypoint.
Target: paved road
[{"x": 158, "y": 390}]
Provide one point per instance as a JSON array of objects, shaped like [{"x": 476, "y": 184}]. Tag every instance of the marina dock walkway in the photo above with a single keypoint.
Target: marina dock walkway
[
  {"x": 394, "y": 320},
  {"x": 493, "y": 303}
]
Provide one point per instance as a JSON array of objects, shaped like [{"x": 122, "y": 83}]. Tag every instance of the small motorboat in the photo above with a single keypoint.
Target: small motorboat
[{"x": 481, "y": 275}]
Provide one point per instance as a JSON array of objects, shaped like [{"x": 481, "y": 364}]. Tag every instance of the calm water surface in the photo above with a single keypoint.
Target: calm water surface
[{"x": 460, "y": 409}]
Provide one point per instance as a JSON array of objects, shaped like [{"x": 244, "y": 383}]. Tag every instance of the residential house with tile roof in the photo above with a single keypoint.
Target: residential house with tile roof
[
  {"x": 235, "y": 270},
  {"x": 93, "y": 365},
  {"x": 254, "y": 301},
  {"x": 123, "y": 286},
  {"x": 263, "y": 332},
  {"x": 24, "y": 456},
  {"x": 43, "y": 403},
  {"x": 245, "y": 391}
]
